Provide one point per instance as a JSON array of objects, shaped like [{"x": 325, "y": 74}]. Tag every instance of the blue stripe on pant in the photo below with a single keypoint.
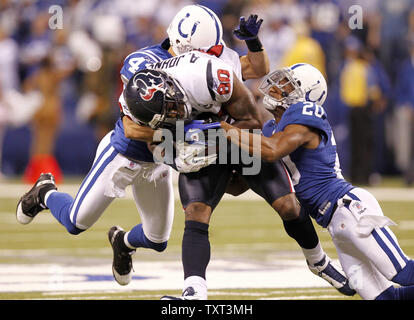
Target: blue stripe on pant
[
  {"x": 92, "y": 169},
  {"x": 387, "y": 250},
  {"x": 61, "y": 204},
  {"x": 405, "y": 273},
  {"x": 396, "y": 246},
  {"x": 92, "y": 181}
]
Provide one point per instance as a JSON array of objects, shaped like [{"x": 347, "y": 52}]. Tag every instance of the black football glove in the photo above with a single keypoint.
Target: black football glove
[{"x": 249, "y": 29}]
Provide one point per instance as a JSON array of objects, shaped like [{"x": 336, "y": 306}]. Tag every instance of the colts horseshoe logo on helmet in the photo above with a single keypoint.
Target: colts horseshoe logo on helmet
[{"x": 148, "y": 84}]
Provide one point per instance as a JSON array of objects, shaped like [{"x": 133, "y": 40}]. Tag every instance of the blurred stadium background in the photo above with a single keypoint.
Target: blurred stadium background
[{"x": 59, "y": 86}]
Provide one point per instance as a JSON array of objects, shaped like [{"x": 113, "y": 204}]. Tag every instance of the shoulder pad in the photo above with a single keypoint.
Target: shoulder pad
[
  {"x": 137, "y": 60},
  {"x": 305, "y": 113},
  {"x": 216, "y": 50}
]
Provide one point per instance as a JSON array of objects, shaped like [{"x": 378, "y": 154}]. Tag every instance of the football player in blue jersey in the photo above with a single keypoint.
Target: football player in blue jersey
[
  {"x": 301, "y": 135},
  {"x": 197, "y": 27},
  {"x": 200, "y": 76},
  {"x": 123, "y": 157}
]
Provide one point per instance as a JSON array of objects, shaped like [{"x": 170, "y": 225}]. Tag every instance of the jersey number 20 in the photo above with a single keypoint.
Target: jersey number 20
[{"x": 307, "y": 109}]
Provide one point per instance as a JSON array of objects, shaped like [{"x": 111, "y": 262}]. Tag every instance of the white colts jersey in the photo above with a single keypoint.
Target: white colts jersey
[{"x": 207, "y": 80}]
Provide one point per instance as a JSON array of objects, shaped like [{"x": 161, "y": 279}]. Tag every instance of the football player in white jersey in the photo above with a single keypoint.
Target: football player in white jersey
[
  {"x": 121, "y": 161},
  {"x": 196, "y": 27},
  {"x": 301, "y": 135},
  {"x": 210, "y": 85},
  {"x": 184, "y": 34}
]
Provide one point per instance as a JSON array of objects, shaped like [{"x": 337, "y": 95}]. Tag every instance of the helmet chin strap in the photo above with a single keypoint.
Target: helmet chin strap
[
  {"x": 157, "y": 119},
  {"x": 272, "y": 104},
  {"x": 180, "y": 48}
]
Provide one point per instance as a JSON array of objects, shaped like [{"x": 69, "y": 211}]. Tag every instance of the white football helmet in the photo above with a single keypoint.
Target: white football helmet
[
  {"x": 194, "y": 27},
  {"x": 308, "y": 85}
]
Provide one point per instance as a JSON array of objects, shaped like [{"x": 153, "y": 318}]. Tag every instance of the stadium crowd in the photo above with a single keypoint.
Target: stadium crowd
[{"x": 59, "y": 83}]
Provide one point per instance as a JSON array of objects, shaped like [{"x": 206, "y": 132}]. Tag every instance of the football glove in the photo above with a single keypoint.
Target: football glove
[
  {"x": 191, "y": 157},
  {"x": 249, "y": 29},
  {"x": 201, "y": 125},
  {"x": 269, "y": 128},
  {"x": 195, "y": 131}
]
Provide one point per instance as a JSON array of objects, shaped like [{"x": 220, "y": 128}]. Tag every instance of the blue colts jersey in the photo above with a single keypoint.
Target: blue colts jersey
[
  {"x": 316, "y": 173},
  {"x": 138, "y": 60}
]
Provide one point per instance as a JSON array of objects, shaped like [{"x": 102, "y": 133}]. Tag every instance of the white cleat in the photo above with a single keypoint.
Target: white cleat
[
  {"x": 188, "y": 294},
  {"x": 327, "y": 271}
]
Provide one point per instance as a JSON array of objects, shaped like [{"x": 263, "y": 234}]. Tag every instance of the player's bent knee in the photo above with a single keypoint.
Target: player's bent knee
[
  {"x": 73, "y": 229},
  {"x": 287, "y": 207},
  {"x": 400, "y": 293},
  {"x": 159, "y": 247},
  {"x": 406, "y": 276},
  {"x": 198, "y": 211},
  {"x": 69, "y": 225},
  {"x": 388, "y": 294}
]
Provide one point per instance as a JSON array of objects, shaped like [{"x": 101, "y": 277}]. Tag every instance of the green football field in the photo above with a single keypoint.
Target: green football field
[{"x": 252, "y": 257}]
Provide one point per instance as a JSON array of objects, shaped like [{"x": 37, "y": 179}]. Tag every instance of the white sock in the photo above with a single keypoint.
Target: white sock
[
  {"x": 314, "y": 255},
  {"x": 47, "y": 196},
  {"x": 127, "y": 242},
  {"x": 199, "y": 285}
]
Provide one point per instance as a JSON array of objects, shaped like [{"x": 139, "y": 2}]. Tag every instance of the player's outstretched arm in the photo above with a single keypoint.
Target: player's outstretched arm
[
  {"x": 256, "y": 63},
  {"x": 271, "y": 148}
]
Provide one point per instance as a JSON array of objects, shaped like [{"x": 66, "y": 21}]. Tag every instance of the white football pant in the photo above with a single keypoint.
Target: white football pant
[
  {"x": 367, "y": 249},
  {"x": 111, "y": 173}
]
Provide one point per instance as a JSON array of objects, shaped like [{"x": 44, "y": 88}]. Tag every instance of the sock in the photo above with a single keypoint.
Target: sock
[
  {"x": 199, "y": 285},
  {"x": 314, "y": 255},
  {"x": 59, "y": 204},
  {"x": 135, "y": 238},
  {"x": 195, "y": 249},
  {"x": 45, "y": 191},
  {"x": 47, "y": 195},
  {"x": 401, "y": 293},
  {"x": 406, "y": 276},
  {"x": 302, "y": 230}
]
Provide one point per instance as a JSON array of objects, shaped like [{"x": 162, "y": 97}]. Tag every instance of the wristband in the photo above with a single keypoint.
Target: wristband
[{"x": 254, "y": 45}]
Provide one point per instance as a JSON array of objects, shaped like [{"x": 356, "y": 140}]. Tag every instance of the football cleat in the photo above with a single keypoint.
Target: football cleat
[
  {"x": 31, "y": 204},
  {"x": 122, "y": 261},
  {"x": 188, "y": 294},
  {"x": 326, "y": 270}
]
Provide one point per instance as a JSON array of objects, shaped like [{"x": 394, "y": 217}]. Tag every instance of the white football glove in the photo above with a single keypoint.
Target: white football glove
[{"x": 191, "y": 157}]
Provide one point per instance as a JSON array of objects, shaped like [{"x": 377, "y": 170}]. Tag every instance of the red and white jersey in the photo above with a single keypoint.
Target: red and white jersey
[
  {"x": 206, "y": 79},
  {"x": 228, "y": 55}
]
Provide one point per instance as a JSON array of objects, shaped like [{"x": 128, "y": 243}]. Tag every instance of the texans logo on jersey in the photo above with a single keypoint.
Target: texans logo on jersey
[{"x": 148, "y": 85}]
